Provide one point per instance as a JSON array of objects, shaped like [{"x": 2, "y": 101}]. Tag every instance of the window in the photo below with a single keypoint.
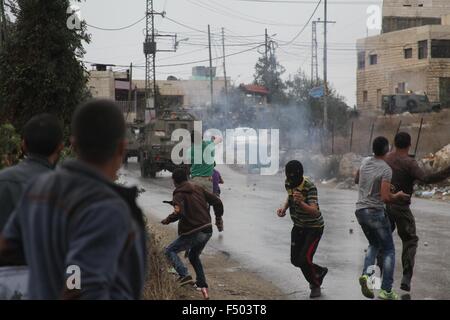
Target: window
[
  {"x": 365, "y": 96},
  {"x": 401, "y": 88},
  {"x": 440, "y": 48},
  {"x": 361, "y": 59},
  {"x": 373, "y": 59},
  {"x": 408, "y": 53},
  {"x": 423, "y": 49}
]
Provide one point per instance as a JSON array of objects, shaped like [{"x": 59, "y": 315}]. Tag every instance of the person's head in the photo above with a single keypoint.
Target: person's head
[
  {"x": 380, "y": 146},
  {"x": 43, "y": 136},
  {"x": 98, "y": 135},
  {"x": 179, "y": 176},
  {"x": 402, "y": 141},
  {"x": 294, "y": 173}
]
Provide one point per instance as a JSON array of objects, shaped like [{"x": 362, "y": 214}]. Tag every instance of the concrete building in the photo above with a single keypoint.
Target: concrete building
[
  {"x": 190, "y": 93},
  {"x": 411, "y": 55}
]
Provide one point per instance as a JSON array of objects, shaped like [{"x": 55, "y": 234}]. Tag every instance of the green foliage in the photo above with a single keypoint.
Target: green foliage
[
  {"x": 67, "y": 153},
  {"x": 268, "y": 74},
  {"x": 9, "y": 146},
  {"x": 298, "y": 92},
  {"x": 40, "y": 66}
]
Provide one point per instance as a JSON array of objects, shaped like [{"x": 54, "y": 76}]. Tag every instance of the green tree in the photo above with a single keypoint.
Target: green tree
[
  {"x": 40, "y": 66},
  {"x": 298, "y": 92},
  {"x": 268, "y": 73},
  {"x": 9, "y": 146}
]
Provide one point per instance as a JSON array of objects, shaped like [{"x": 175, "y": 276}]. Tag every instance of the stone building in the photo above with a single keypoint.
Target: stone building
[{"x": 412, "y": 54}]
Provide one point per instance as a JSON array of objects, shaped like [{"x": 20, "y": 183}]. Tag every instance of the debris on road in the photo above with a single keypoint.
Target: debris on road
[{"x": 434, "y": 163}]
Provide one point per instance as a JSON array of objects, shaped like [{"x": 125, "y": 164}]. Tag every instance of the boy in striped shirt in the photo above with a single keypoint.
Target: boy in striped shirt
[{"x": 308, "y": 225}]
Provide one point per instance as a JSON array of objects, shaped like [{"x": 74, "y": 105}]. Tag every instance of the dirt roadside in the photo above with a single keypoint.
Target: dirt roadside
[{"x": 226, "y": 279}]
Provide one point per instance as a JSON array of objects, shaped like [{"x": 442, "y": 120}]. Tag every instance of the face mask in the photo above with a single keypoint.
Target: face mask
[{"x": 294, "y": 180}]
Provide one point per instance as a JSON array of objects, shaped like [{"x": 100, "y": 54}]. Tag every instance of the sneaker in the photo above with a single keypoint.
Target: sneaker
[
  {"x": 366, "y": 291},
  {"x": 172, "y": 271},
  {"x": 196, "y": 287},
  {"x": 185, "y": 280},
  {"x": 205, "y": 293},
  {"x": 406, "y": 284},
  {"x": 384, "y": 295},
  {"x": 315, "y": 292}
]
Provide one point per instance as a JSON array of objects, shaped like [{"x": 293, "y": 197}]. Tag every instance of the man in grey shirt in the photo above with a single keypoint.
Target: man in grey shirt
[{"x": 374, "y": 178}]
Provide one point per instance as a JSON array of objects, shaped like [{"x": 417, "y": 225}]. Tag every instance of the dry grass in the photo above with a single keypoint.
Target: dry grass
[{"x": 160, "y": 284}]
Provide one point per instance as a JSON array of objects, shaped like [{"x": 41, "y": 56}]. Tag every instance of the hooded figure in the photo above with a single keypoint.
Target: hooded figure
[{"x": 294, "y": 174}]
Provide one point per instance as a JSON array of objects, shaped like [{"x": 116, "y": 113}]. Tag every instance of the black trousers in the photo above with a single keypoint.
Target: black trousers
[
  {"x": 403, "y": 219},
  {"x": 304, "y": 243}
]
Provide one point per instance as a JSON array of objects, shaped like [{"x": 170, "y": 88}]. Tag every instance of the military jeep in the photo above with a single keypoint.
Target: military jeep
[{"x": 155, "y": 141}]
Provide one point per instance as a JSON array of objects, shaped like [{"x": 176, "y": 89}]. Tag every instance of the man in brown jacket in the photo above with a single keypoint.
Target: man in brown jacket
[
  {"x": 194, "y": 227},
  {"x": 406, "y": 172}
]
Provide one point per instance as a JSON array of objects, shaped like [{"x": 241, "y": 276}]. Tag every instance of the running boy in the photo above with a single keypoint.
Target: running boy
[{"x": 308, "y": 225}]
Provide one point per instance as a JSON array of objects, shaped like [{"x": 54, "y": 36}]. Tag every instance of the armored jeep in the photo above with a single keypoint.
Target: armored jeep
[
  {"x": 413, "y": 103},
  {"x": 155, "y": 141}
]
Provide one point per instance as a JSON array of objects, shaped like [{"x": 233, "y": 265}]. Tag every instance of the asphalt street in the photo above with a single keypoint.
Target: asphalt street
[{"x": 260, "y": 240}]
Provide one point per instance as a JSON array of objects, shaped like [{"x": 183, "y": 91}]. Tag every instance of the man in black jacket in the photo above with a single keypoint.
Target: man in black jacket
[
  {"x": 42, "y": 142},
  {"x": 190, "y": 203}
]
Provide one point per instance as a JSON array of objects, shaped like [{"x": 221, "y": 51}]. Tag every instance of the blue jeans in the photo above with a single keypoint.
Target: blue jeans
[
  {"x": 378, "y": 231},
  {"x": 194, "y": 244}
]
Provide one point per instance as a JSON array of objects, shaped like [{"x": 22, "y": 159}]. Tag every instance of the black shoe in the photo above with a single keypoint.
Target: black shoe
[
  {"x": 406, "y": 284},
  {"x": 185, "y": 280},
  {"x": 315, "y": 292}
]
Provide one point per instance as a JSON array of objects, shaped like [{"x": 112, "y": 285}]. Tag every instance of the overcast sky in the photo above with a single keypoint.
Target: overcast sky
[{"x": 244, "y": 22}]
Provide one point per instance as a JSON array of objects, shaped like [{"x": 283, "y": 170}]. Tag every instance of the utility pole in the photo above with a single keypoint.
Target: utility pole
[
  {"x": 130, "y": 89},
  {"x": 266, "y": 56},
  {"x": 325, "y": 67},
  {"x": 150, "y": 50},
  {"x": 314, "y": 59},
  {"x": 150, "y": 58},
  {"x": 224, "y": 68},
  {"x": 210, "y": 66}
]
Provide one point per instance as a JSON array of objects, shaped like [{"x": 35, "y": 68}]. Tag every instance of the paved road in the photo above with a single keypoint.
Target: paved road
[{"x": 256, "y": 237}]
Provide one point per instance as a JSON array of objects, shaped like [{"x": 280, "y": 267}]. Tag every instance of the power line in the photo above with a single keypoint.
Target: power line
[
  {"x": 307, "y": 23},
  {"x": 312, "y": 2},
  {"x": 179, "y": 64},
  {"x": 206, "y": 60},
  {"x": 237, "y": 15},
  {"x": 116, "y": 29}
]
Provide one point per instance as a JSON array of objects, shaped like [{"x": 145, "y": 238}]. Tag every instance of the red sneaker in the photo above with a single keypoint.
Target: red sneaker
[{"x": 205, "y": 293}]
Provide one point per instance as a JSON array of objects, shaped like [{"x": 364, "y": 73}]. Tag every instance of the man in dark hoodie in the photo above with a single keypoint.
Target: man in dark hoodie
[
  {"x": 190, "y": 203},
  {"x": 81, "y": 235}
]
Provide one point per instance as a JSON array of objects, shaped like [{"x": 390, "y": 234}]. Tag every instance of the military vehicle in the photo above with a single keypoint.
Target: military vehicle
[
  {"x": 132, "y": 135},
  {"x": 155, "y": 141},
  {"x": 413, "y": 103}
]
